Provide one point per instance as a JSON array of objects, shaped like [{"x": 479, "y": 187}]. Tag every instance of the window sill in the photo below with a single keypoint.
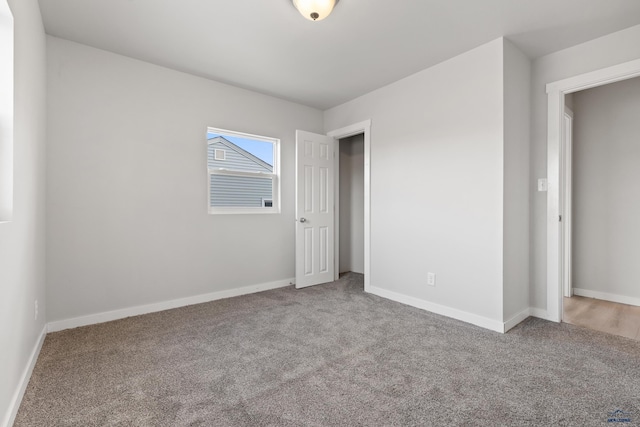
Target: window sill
[{"x": 243, "y": 211}]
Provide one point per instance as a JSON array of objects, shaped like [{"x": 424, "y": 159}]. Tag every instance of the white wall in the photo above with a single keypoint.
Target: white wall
[
  {"x": 22, "y": 240},
  {"x": 606, "y": 194},
  {"x": 603, "y": 52},
  {"x": 127, "y": 184},
  {"x": 517, "y": 90},
  {"x": 352, "y": 204},
  {"x": 437, "y": 181}
]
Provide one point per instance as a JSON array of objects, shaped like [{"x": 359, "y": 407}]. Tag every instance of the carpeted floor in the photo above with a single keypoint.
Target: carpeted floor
[{"x": 330, "y": 355}]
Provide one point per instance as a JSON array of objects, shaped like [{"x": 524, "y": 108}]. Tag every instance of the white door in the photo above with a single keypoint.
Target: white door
[{"x": 314, "y": 208}]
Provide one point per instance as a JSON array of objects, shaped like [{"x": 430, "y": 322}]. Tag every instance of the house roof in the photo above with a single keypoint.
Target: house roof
[
  {"x": 266, "y": 46},
  {"x": 241, "y": 151}
]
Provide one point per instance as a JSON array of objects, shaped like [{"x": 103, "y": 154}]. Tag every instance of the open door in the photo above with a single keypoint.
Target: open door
[{"x": 314, "y": 209}]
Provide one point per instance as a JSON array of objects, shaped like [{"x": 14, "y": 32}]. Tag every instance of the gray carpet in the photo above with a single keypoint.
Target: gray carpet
[{"x": 330, "y": 355}]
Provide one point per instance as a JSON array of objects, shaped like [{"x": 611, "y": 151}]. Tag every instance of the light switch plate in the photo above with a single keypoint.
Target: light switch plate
[{"x": 542, "y": 184}]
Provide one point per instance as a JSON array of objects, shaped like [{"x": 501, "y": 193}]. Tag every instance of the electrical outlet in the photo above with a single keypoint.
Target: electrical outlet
[
  {"x": 431, "y": 279},
  {"x": 35, "y": 310}
]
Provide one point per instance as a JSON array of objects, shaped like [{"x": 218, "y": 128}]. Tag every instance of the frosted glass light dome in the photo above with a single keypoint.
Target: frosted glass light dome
[{"x": 315, "y": 10}]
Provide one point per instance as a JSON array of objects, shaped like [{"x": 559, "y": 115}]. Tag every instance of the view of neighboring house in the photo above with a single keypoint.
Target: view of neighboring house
[{"x": 232, "y": 190}]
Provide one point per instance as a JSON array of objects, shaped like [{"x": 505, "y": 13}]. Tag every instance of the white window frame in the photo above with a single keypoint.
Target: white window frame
[
  {"x": 275, "y": 176},
  {"x": 6, "y": 112}
]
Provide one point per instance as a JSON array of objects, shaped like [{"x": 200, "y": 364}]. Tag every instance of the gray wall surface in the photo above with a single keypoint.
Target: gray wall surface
[
  {"x": 22, "y": 245},
  {"x": 352, "y": 204},
  {"x": 127, "y": 213},
  {"x": 437, "y": 181},
  {"x": 606, "y": 189},
  {"x": 517, "y": 111}
]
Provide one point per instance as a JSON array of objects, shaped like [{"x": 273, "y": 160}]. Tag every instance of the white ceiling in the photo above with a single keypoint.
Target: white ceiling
[{"x": 266, "y": 46}]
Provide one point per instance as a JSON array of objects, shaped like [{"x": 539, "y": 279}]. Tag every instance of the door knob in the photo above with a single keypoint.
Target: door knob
[{"x": 303, "y": 219}]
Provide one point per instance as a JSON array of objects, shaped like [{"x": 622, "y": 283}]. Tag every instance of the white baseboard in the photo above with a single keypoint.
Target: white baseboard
[
  {"x": 108, "y": 316},
  {"x": 622, "y": 299},
  {"x": 539, "y": 313},
  {"x": 520, "y": 317},
  {"x": 24, "y": 381},
  {"x": 474, "y": 319}
]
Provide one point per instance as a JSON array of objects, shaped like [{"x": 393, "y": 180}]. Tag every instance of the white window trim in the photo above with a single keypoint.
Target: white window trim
[
  {"x": 6, "y": 112},
  {"x": 275, "y": 176}
]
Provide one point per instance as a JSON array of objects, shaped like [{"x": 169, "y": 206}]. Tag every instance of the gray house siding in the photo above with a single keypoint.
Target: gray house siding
[{"x": 237, "y": 191}]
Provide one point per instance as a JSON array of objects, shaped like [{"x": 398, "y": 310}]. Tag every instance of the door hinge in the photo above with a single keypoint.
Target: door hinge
[{"x": 560, "y": 218}]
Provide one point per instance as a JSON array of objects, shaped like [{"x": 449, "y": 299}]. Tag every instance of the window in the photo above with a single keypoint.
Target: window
[
  {"x": 219, "y": 154},
  {"x": 244, "y": 172},
  {"x": 6, "y": 112}
]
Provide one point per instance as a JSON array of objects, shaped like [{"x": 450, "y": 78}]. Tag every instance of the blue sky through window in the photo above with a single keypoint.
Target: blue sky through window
[{"x": 261, "y": 149}]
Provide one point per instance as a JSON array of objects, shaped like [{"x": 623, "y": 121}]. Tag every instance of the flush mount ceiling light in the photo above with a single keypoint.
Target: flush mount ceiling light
[{"x": 315, "y": 10}]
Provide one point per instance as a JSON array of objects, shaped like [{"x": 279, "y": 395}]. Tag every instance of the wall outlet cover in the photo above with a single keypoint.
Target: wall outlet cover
[{"x": 431, "y": 279}]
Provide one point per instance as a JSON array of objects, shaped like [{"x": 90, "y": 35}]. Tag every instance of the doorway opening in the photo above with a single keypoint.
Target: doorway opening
[
  {"x": 601, "y": 158},
  {"x": 560, "y": 203},
  {"x": 362, "y": 128},
  {"x": 350, "y": 205}
]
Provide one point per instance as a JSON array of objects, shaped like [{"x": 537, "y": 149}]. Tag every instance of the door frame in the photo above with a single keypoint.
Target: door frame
[
  {"x": 566, "y": 190},
  {"x": 363, "y": 127},
  {"x": 555, "y": 169}
]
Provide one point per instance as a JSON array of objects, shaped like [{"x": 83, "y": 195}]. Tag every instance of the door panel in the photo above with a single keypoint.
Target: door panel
[{"x": 314, "y": 209}]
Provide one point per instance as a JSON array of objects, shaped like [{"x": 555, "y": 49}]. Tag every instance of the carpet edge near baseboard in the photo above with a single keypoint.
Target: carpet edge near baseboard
[
  {"x": 107, "y": 316},
  {"x": 464, "y": 316}
]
